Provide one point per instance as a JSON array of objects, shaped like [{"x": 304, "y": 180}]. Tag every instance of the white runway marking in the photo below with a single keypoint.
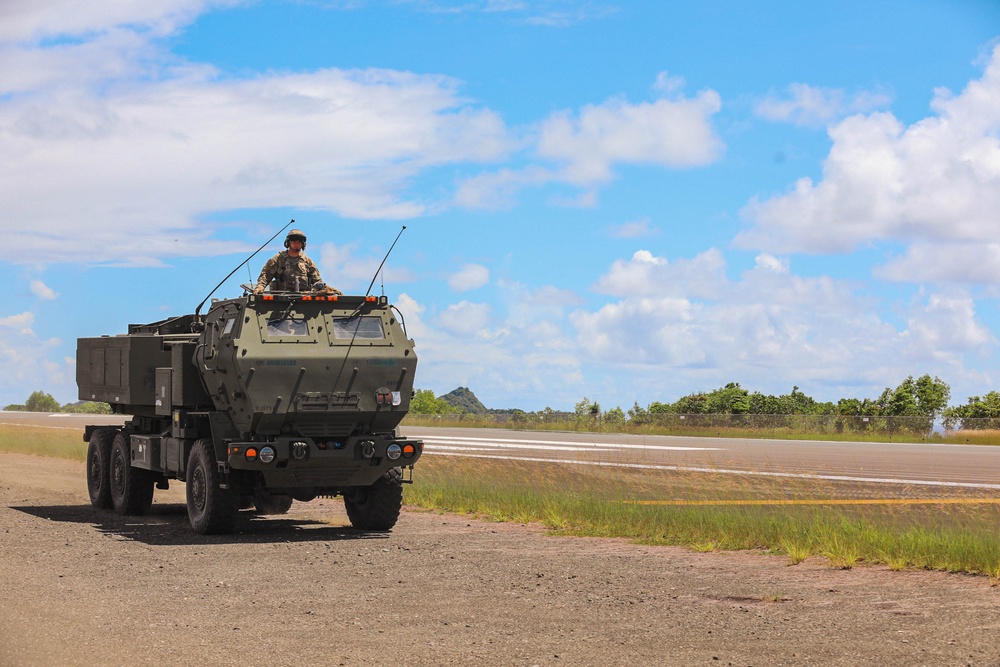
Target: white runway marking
[
  {"x": 554, "y": 445},
  {"x": 724, "y": 471}
]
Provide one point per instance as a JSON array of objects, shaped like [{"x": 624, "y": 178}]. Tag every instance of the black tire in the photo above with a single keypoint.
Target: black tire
[
  {"x": 376, "y": 507},
  {"x": 271, "y": 503},
  {"x": 131, "y": 488},
  {"x": 99, "y": 467},
  {"x": 211, "y": 509}
]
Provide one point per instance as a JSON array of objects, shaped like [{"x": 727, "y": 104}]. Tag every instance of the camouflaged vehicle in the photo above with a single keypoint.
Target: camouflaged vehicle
[{"x": 265, "y": 399}]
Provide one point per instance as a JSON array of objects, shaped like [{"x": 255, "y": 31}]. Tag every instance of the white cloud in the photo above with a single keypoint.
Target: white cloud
[
  {"x": 519, "y": 348},
  {"x": 946, "y": 327},
  {"x": 582, "y": 149},
  {"x": 767, "y": 329},
  {"x": 23, "y": 358},
  {"x": 634, "y": 229},
  {"x": 341, "y": 267},
  {"x": 766, "y": 326},
  {"x": 771, "y": 263},
  {"x": 648, "y": 275},
  {"x": 545, "y": 13},
  {"x": 21, "y": 323},
  {"x": 944, "y": 262},
  {"x": 469, "y": 277},
  {"x": 815, "y": 107},
  {"x": 669, "y": 85},
  {"x": 113, "y": 155},
  {"x": 497, "y": 190},
  {"x": 670, "y": 133},
  {"x": 27, "y": 20},
  {"x": 936, "y": 181},
  {"x": 43, "y": 291},
  {"x": 466, "y": 319}
]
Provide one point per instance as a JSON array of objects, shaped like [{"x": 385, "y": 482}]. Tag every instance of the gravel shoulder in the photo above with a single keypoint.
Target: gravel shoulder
[{"x": 83, "y": 587}]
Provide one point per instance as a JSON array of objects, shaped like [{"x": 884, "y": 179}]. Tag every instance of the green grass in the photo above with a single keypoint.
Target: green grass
[
  {"x": 970, "y": 437},
  {"x": 601, "y": 502},
  {"x": 52, "y": 442}
]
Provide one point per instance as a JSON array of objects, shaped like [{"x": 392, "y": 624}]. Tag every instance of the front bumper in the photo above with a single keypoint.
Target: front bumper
[{"x": 324, "y": 465}]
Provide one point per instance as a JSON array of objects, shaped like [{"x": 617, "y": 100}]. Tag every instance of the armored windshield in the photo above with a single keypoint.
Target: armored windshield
[
  {"x": 288, "y": 326},
  {"x": 358, "y": 328}
]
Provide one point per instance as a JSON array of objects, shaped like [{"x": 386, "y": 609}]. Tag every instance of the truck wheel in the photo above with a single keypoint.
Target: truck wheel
[
  {"x": 211, "y": 509},
  {"x": 376, "y": 507},
  {"x": 271, "y": 503},
  {"x": 99, "y": 467},
  {"x": 131, "y": 488}
]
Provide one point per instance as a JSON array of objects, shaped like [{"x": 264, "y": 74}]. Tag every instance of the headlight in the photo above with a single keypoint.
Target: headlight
[
  {"x": 266, "y": 454},
  {"x": 394, "y": 451}
]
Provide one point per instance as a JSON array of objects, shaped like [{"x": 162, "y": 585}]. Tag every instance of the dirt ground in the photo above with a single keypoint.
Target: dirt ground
[{"x": 85, "y": 587}]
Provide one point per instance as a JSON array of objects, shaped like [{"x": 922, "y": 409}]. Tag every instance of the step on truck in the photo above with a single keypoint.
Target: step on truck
[{"x": 266, "y": 399}]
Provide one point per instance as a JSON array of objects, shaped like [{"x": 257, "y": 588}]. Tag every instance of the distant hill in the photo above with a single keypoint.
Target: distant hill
[{"x": 463, "y": 398}]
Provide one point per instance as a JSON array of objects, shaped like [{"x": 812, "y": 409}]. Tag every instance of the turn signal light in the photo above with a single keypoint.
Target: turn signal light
[
  {"x": 408, "y": 451},
  {"x": 251, "y": 454}
]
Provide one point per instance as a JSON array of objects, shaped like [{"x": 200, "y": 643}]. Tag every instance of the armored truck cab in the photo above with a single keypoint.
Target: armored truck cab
[{"x": 267, "y": 398}]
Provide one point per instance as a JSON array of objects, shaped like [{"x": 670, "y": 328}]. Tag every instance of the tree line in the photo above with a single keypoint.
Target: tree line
[
  {"x": 39, "y": 401},
  {"x": 924, "y": 396}
]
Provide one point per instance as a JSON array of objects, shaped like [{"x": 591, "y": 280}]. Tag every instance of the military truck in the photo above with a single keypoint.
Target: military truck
[{"x": 266, "y": 398}]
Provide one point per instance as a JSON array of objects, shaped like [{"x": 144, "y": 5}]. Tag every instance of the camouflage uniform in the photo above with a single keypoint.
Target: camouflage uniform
[{"x": 284, "y": 269}]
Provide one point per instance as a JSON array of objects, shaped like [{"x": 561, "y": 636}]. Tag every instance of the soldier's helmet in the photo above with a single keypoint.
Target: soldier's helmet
[{"x": 296, "y": 235}]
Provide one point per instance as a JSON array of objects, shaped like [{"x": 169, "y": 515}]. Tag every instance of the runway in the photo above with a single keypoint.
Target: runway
[{"x": 960, "y": 466}]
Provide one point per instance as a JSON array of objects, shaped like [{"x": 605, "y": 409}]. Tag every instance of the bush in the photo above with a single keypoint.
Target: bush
[{"x": 39, "y": 401}]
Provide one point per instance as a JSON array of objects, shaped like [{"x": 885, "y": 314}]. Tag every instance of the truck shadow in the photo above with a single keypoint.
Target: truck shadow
[{"x": 167, "y": 525}]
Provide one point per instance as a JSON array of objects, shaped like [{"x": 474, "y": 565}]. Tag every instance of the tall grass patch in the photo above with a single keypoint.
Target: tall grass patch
[
  {"x": 52, "y": 442},
  {"x": 689, "y": 509}
]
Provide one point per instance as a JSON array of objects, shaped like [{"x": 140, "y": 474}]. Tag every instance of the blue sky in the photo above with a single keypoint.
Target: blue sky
[{"x": 629, "y": 201}]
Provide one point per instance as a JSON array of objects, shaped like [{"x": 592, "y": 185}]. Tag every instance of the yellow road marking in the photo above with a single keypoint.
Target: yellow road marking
[{"x": 830, "y": 501}]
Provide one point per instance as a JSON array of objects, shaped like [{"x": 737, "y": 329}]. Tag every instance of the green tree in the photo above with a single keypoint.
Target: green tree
[
  {"x": 88, "y": 407},
  {"x": 638, "y": 415},
  {"x": 923, "y": 397},
  {"x": 692, "y": 404},
  {"x": 39, "y": 401},
  {"x": 932, "y": 395},
  {"x": 977, "y": 408},
  {"x": 615, "y": 416},
  {"x": 729, "y": 400},
  {"x": 424, "y": 403},
  {"x": 586, "y": 407}
]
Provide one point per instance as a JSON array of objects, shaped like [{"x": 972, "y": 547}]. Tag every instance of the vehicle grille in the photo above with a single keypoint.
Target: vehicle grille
[{"x": 325, "y": 476}]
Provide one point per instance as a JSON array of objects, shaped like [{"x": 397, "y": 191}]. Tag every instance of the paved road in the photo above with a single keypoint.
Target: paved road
[{"x": 959, "y": 466}]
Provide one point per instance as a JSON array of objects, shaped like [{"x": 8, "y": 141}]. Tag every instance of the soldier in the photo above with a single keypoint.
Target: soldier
[{"x": 291, "y": 270}]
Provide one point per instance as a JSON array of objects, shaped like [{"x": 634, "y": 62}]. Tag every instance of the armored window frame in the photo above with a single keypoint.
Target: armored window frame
[
  {"x": 369, "y": 330},
  {"x": 268, "y": 321}
]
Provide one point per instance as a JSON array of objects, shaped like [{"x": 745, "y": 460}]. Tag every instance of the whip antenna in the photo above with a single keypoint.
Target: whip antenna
[
  {"x": 198, "y": 309},
  {"x": 379, "y": 269}
]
